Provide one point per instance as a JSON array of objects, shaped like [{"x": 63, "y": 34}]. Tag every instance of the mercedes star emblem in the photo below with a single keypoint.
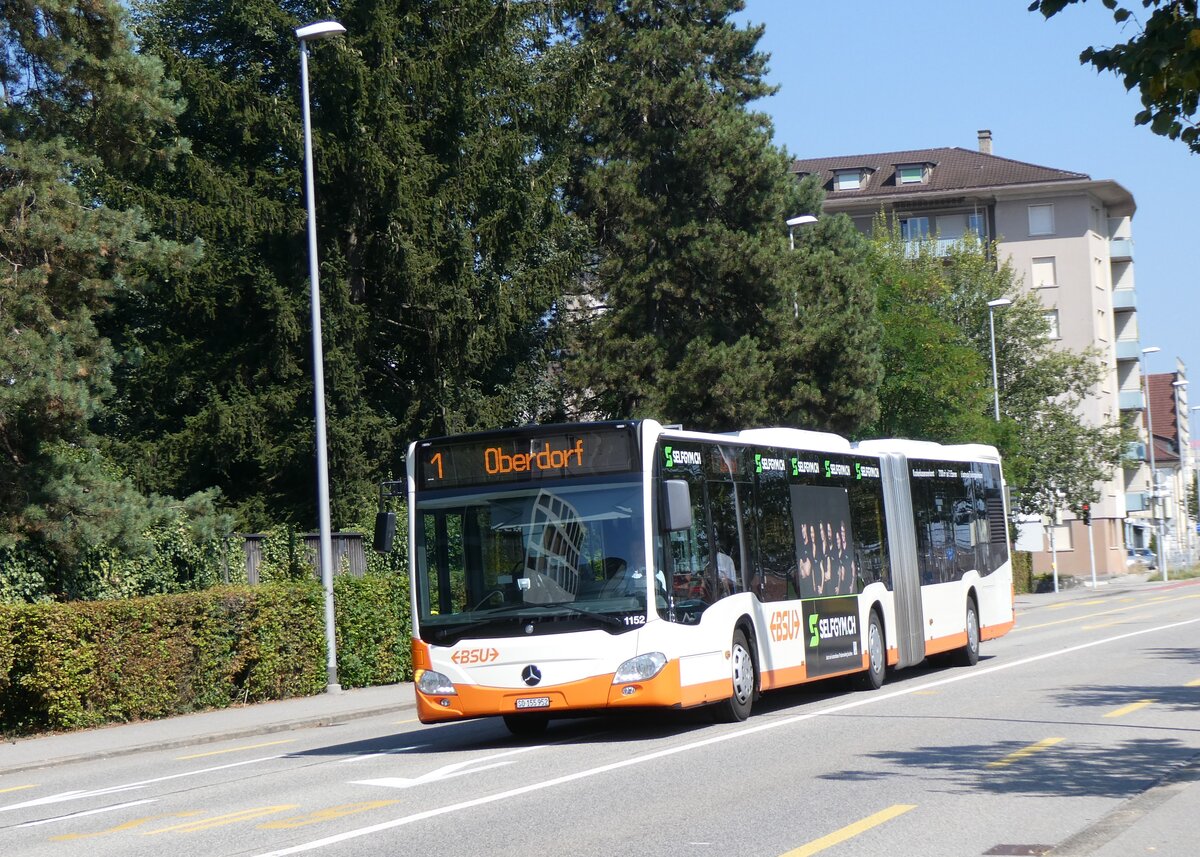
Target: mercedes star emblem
[{"x": 531, "y": 675}]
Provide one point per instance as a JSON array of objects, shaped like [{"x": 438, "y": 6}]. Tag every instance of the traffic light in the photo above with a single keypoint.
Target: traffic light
[{"x": 1087, "y": 513}]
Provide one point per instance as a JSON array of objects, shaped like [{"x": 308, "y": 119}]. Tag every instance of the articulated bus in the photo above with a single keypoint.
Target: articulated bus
[{"x": 603, "y": 566}]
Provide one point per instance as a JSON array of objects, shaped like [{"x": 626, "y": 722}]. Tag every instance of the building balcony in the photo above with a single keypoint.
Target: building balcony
[
  {"x": 1124, "y": 300},
  {"x": 1137, "y": 501},
  {"x": 1131, "y": 400},
  {"x": 1134, "y": 454},
  {"x": 1129, "y": 349},
  {"x": 1120, "y": 249}
]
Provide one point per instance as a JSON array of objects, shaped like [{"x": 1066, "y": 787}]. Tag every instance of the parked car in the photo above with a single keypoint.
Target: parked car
[{"x": 1140, "y": 556}]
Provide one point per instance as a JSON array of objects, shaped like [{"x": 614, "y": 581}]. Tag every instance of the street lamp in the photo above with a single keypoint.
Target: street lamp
[
  {"x": 992, "y": 305},
  {"x": 792, "y": 223},
  {"x": 1153, "y": 467},
  {"x": 307, "y": 33}
]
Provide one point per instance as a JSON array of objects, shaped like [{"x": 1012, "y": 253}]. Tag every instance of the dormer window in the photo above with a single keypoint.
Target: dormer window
[
  {"x": 850, "y": 179},
  {"x": 912, "y": 173}
]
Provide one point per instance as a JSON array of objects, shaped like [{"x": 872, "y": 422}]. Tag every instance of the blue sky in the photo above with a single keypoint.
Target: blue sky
[{"x": 862, "y": 76}]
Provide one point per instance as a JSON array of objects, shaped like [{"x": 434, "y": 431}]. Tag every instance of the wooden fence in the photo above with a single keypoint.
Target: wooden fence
[{"x": 348, "y": 555}]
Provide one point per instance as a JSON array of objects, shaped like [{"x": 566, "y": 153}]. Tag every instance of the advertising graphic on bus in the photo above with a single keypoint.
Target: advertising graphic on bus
[{"x": 602, "y": 566}]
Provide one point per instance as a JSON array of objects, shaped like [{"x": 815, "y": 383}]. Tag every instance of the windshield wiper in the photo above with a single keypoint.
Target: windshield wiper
[{"x": 605, "y": 618}]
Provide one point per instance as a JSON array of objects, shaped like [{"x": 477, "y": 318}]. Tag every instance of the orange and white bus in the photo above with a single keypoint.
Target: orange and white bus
[{"x": 601, "y": 566}]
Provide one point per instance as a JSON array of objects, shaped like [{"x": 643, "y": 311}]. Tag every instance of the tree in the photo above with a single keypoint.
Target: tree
[
  {"x": 937, "y": 347},
  {"x": 443, "y": 244},
  {"x": 78, "y": 104},
  {"x": 688, "y": 306},
  {"x": 1162, "y": 60}
]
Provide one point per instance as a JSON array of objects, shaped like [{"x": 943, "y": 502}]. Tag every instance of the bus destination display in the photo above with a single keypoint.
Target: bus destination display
[{"x": 524, "y": 458}]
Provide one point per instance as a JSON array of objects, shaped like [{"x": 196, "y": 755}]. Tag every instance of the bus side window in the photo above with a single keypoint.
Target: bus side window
[
  {"x": 690, "y": 552},
  {"x": 730, "y": 568}
]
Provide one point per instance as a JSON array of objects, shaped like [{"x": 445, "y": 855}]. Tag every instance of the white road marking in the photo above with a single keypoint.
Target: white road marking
[
  {"x": 743, "y": 732},
  {"x": 446, "y": 771},
  {"x": 78, "y": 795},
  {"x": 392, "y": 752},
  {"x": 112, "y": 808}
]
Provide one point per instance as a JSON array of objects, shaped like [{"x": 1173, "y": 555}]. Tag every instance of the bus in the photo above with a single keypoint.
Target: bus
[{"x": 596, "y": 567}]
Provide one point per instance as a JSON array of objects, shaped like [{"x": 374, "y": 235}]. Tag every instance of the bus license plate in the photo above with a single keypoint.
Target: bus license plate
[{"x": 534, "y": 702}]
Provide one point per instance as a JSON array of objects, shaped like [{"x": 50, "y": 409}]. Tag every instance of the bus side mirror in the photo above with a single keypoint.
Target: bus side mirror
[
  {"x": 677, "y": 505},
  {"x": 385, "y": 531}
]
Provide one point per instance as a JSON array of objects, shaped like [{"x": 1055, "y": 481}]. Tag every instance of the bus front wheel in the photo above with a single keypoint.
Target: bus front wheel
[
  {"x": 737, "y": 707},
  {"x": 968, "y": 655},
  {"x": 526, "y": 725}
]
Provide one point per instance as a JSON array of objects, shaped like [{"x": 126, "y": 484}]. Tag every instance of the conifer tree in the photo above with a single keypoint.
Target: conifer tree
[
  {"x": 78, "y": 104},
  {"x": 688, "y": 309},
  {"x": 442, "y": 242}
]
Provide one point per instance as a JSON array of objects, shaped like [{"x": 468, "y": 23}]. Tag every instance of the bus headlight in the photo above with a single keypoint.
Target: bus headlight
[
  {"x": 641, "y": 668},
  {"x": 433, "y": 683}
]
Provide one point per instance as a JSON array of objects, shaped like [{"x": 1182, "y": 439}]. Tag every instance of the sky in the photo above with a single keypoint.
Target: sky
[{"x": 865, "y": 76}]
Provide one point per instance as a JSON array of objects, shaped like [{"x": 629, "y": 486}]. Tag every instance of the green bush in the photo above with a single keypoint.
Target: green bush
[
  {"x": 85, "y": 663},
  {"x": 373, "y": 629},
  {"x": 66, "y": 666},
  {"x": 1022, "y": 572}
]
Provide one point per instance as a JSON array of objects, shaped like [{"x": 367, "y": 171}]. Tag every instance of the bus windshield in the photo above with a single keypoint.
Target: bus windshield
[{"x": 529, "y": 559}]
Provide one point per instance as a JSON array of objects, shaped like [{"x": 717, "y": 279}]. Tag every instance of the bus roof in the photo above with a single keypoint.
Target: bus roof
[{"x": 929, "y": 449}]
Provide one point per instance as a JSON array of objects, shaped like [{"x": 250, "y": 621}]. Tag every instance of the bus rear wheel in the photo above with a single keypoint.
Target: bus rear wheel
[
  {"x": 968, "y": 655},
  {"x": 745, "y": 681}
]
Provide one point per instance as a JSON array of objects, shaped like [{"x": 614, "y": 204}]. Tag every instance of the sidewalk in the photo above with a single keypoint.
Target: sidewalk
[{"x": 243, "y": 721}]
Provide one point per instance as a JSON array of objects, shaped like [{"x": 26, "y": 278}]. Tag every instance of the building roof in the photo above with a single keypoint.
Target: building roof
[{"x": 953, "y": 169}]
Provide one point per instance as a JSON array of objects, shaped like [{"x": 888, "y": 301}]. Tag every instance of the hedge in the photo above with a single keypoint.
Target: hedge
[{"x": 85, "y": 663}]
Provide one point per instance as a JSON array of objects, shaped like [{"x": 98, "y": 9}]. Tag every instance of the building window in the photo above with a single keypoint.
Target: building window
[
  {"x": 1043, "y": 272},
  {"x": 975, "y": 224},
  {"x": 1051, "y": 318},
  {"x": 1041, "y": 219},
  {"x": 848, "y": 180},
  {"x": 914, "y": 228},
  {"x": 910, "y": 174}
]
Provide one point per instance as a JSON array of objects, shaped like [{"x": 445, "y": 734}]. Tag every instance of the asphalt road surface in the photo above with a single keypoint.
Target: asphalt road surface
[{"x": 1090, "y": 707}]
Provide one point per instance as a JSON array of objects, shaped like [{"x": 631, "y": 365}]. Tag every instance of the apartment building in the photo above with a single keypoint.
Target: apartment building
[{"x": 1070, "y": 238}]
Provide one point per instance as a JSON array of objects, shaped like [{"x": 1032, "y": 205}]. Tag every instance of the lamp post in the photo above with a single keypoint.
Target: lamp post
[
  {"x": 992, "y": 305},
  {"x": 1153, "y": 467},
  {"x": 792, "y": 223},
  {"x": 307, "y": 33}
]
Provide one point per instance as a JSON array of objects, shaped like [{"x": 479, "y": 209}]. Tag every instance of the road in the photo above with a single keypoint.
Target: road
[{"x": 1067, "y": 731}]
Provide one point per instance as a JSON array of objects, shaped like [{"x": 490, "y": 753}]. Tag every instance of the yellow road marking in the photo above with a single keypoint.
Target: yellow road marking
[
  {"x": 1126, "y": 709},
  {"x": 1193, "y": 683},
  {"x": 222, "y": 820},
  {"x": 851, "y": 830},
  {"x": 1023, "y": 752},
  {"x": 18, "y": 788},
  {"x": 1102, "y": 625},
  {"x": 234, "y": 749},
  {"x": 1066, "y": 604},
  {"x": 129, "y": 825},
  {"x": 413, "y": 720},
  {"x": 325, "y": 815}
]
